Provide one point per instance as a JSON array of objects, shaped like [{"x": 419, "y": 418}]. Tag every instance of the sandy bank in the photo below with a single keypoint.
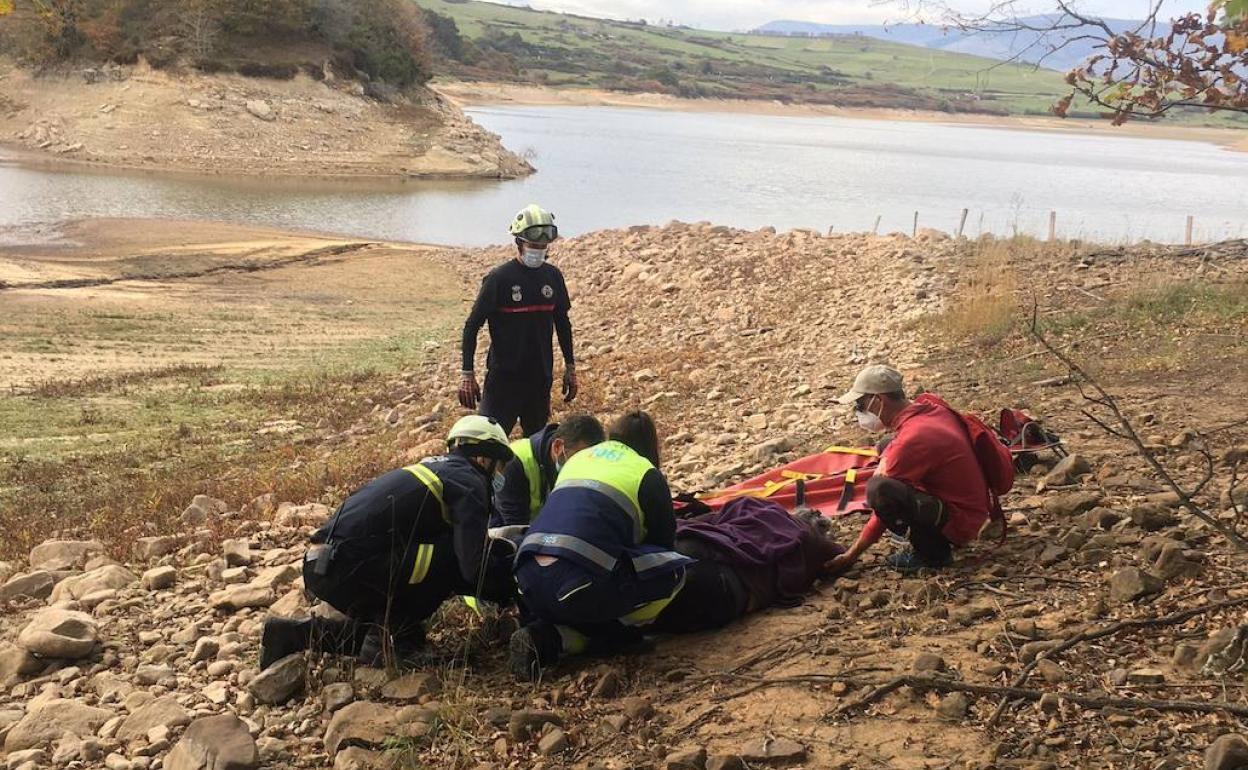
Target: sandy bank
[
  {"x": 138, "y": 118},
  {"x": 473, "y": 94}
]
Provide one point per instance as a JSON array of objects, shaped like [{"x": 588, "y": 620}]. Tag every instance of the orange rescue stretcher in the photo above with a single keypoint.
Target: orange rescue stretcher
[{"x": 834, "y": 482}]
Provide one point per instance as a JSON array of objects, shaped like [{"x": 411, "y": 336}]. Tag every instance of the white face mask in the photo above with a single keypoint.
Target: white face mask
[
  {"x": 532, "y": 257},
  {"x": 870, "y": 421}
]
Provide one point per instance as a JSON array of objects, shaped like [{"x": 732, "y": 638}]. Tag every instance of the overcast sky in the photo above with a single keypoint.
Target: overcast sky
[{"x": 747, "y": 14}]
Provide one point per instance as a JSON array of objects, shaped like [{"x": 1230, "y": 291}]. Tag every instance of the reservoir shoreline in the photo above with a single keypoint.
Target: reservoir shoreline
[{"x": 485, "y": 94}]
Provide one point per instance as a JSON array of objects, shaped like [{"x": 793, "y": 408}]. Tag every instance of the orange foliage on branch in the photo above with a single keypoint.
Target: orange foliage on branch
[{"x": 1201, "y": 61}]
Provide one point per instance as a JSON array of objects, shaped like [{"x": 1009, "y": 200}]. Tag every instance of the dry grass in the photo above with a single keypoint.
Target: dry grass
[
  {"x": 985, "y": 309},
  {"x": 130, "y": 401}
]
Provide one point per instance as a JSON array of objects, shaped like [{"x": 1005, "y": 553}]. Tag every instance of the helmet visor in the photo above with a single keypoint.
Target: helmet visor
[{"x": 540, "y": 233}]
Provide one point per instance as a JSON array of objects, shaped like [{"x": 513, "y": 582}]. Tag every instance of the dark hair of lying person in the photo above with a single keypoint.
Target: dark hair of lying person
[
  {"x": 580, "y": 430},
  {"x": 637, "y": 431}
]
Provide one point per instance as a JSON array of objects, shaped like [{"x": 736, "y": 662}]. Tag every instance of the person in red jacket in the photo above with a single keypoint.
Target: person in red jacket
[{"x": 929, "y": 486}]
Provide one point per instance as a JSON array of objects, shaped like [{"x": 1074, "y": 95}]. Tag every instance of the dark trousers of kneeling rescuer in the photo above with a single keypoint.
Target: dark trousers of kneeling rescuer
[{"x": 382, "y": 600}]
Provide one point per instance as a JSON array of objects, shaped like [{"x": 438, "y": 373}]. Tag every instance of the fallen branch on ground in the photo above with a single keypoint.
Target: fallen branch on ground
[
  {"x": 1090, "y": 701},
  {"x": 1110, "y": 630},
  {"x": 1126, "y": 431}
]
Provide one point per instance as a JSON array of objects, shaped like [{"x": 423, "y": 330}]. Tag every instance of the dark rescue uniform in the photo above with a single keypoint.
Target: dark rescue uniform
[
  {"x": 609, "y": 526},
  {"x": 527, "y": 479},
  {"x": 405, "y": 542},
  {"x": 523, "y": 307}
]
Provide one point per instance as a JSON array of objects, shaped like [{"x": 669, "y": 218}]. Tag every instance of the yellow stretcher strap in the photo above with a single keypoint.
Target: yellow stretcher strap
[
  {"x": 851, "y": 475},
  {"x": 770, "y": 488},
  {"x": 424, "y": 558},
  {"x": 851, "y": 450}
]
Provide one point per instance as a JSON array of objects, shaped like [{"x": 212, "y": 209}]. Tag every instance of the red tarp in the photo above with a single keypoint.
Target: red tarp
[{"x": 824, "y": 475}]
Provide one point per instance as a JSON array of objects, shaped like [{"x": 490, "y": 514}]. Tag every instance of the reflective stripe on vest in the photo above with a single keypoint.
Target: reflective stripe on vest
[
  {"x": 573, "y": 545},
  {"x": 424, "y": 559},
  {"x": 432, "y": 483},
  {"x": 614, "y": 470},
  {"x": 523, "y": 450}
]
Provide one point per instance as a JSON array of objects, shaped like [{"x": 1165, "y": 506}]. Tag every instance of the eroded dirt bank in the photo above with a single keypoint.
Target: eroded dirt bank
[{"x": 139, "y": 118}]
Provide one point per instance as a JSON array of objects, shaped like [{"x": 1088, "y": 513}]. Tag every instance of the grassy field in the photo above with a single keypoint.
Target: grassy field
[
  {"x": 126, "y": 398},
  {"x": 573, "y": 50},
  {"x": 565, "y": 50}
]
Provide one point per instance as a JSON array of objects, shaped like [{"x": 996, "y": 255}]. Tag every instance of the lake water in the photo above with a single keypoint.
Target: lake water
[{"x": 612, "y": 167}]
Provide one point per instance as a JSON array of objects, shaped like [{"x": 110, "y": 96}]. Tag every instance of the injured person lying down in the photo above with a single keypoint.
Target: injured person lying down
[{"x": 751, "y": 555}]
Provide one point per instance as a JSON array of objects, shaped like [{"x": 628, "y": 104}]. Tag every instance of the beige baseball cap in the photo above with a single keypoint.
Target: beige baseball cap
[{"x": 874, "y": 380}]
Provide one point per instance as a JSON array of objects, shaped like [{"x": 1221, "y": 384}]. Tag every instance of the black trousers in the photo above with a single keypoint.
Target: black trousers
[
  {"x": 913, "y": 514},
  {"x": 371, "y": 587},
  {"x": 713, "y": 597},
  {"x": 508, "y": 399}
]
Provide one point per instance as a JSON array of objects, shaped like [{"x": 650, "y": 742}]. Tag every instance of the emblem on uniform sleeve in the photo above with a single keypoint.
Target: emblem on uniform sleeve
[
  {"x": 547, "y": 292},
  {"x": 516, "y": 294}
]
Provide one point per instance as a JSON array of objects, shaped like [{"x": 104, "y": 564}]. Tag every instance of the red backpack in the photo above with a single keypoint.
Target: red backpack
[{"x": 994, "y": 457}]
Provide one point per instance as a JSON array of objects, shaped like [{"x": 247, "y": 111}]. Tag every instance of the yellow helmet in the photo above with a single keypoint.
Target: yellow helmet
[
  {"x": 479, "y": 436},
  {"x": 534, "y": 224}
]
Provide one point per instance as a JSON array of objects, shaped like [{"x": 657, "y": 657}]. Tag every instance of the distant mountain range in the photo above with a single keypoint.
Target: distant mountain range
[{"x": 991, "y": 45}]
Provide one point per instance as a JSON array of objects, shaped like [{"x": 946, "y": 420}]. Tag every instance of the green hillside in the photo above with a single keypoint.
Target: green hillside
[{"x": 564, "y": 50}]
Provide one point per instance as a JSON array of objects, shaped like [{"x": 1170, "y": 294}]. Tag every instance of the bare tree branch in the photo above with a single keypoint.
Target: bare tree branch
[{"x": 1124, "y": 429}]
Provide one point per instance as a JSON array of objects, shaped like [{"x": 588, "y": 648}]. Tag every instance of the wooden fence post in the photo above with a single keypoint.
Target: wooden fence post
[
  {"x": 1052, "y": 226},
  {"x": 875, "y": 229},
  {"x": 962, "y": 221},
  {"x": 914, "y": 231},
  {"x": 1187, "y": 239}
]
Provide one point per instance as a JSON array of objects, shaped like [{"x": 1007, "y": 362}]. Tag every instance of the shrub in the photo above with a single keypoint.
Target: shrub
[{"x": 254, "y": 69}]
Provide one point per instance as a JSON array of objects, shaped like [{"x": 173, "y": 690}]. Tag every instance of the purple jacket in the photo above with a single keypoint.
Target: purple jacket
[{"x": 761, "y": 537}]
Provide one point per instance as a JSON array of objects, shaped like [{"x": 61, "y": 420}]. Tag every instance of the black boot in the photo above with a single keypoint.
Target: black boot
[
  {"x": 405, "y": 649},
  {"x": 533, "y": 648},
  {"x": 284, "y": 636}
]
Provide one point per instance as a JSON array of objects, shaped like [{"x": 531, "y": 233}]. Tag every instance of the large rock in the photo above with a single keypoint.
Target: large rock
[
  {"x": 768, "y": 750},
  {"x": 1072, "y": 503},
  {"x": 59, "y": 633},
  {"x": 160, "y": 578},
  {"x": 110, "y": 576},
  {"x": 291, "y": 515},
  {"x": 36, "y": 585},
  {"x": 162, "y": 712},
  {"x": 242, "y": 596},
  {"x": 362, "y": 724},
  {"x": 1229, "y": 752},
  {"x": 1067, "y": 471},
  {"x": 64, "y": 554},
  {"x": 16, "y": 662},
  {"x": 281, "y": 681},
  {"x": 155, "y": 547},
  {"x": 261, "y": 109},
  {"x": 50, "y": 720},
  {"x": 201, "y": 509},
  {"x": 214, "y": 743},
  {"x": 410, "y": 687},
  {"x": 1133, "y": 583}
]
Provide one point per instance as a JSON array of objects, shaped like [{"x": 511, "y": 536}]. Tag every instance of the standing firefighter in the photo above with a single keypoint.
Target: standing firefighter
[
  {"x": 398, "y": 547},
  {"x": 523, "y": 301}
]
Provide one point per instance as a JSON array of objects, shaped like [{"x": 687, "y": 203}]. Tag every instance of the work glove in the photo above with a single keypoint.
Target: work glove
[
  {"x": 469, "y": 391},
  {"x": 569, "y": 385}
]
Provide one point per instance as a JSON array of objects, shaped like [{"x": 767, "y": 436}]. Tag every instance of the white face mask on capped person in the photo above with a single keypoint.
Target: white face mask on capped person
[
  {"x": 870, "y": 421},
  {"x": 532, "y": 257}
]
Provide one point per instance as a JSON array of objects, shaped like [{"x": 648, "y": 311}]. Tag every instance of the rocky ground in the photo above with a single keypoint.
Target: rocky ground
[
  {"x": 140, "y": 652},
  {"x": 136, "y": 117}
]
